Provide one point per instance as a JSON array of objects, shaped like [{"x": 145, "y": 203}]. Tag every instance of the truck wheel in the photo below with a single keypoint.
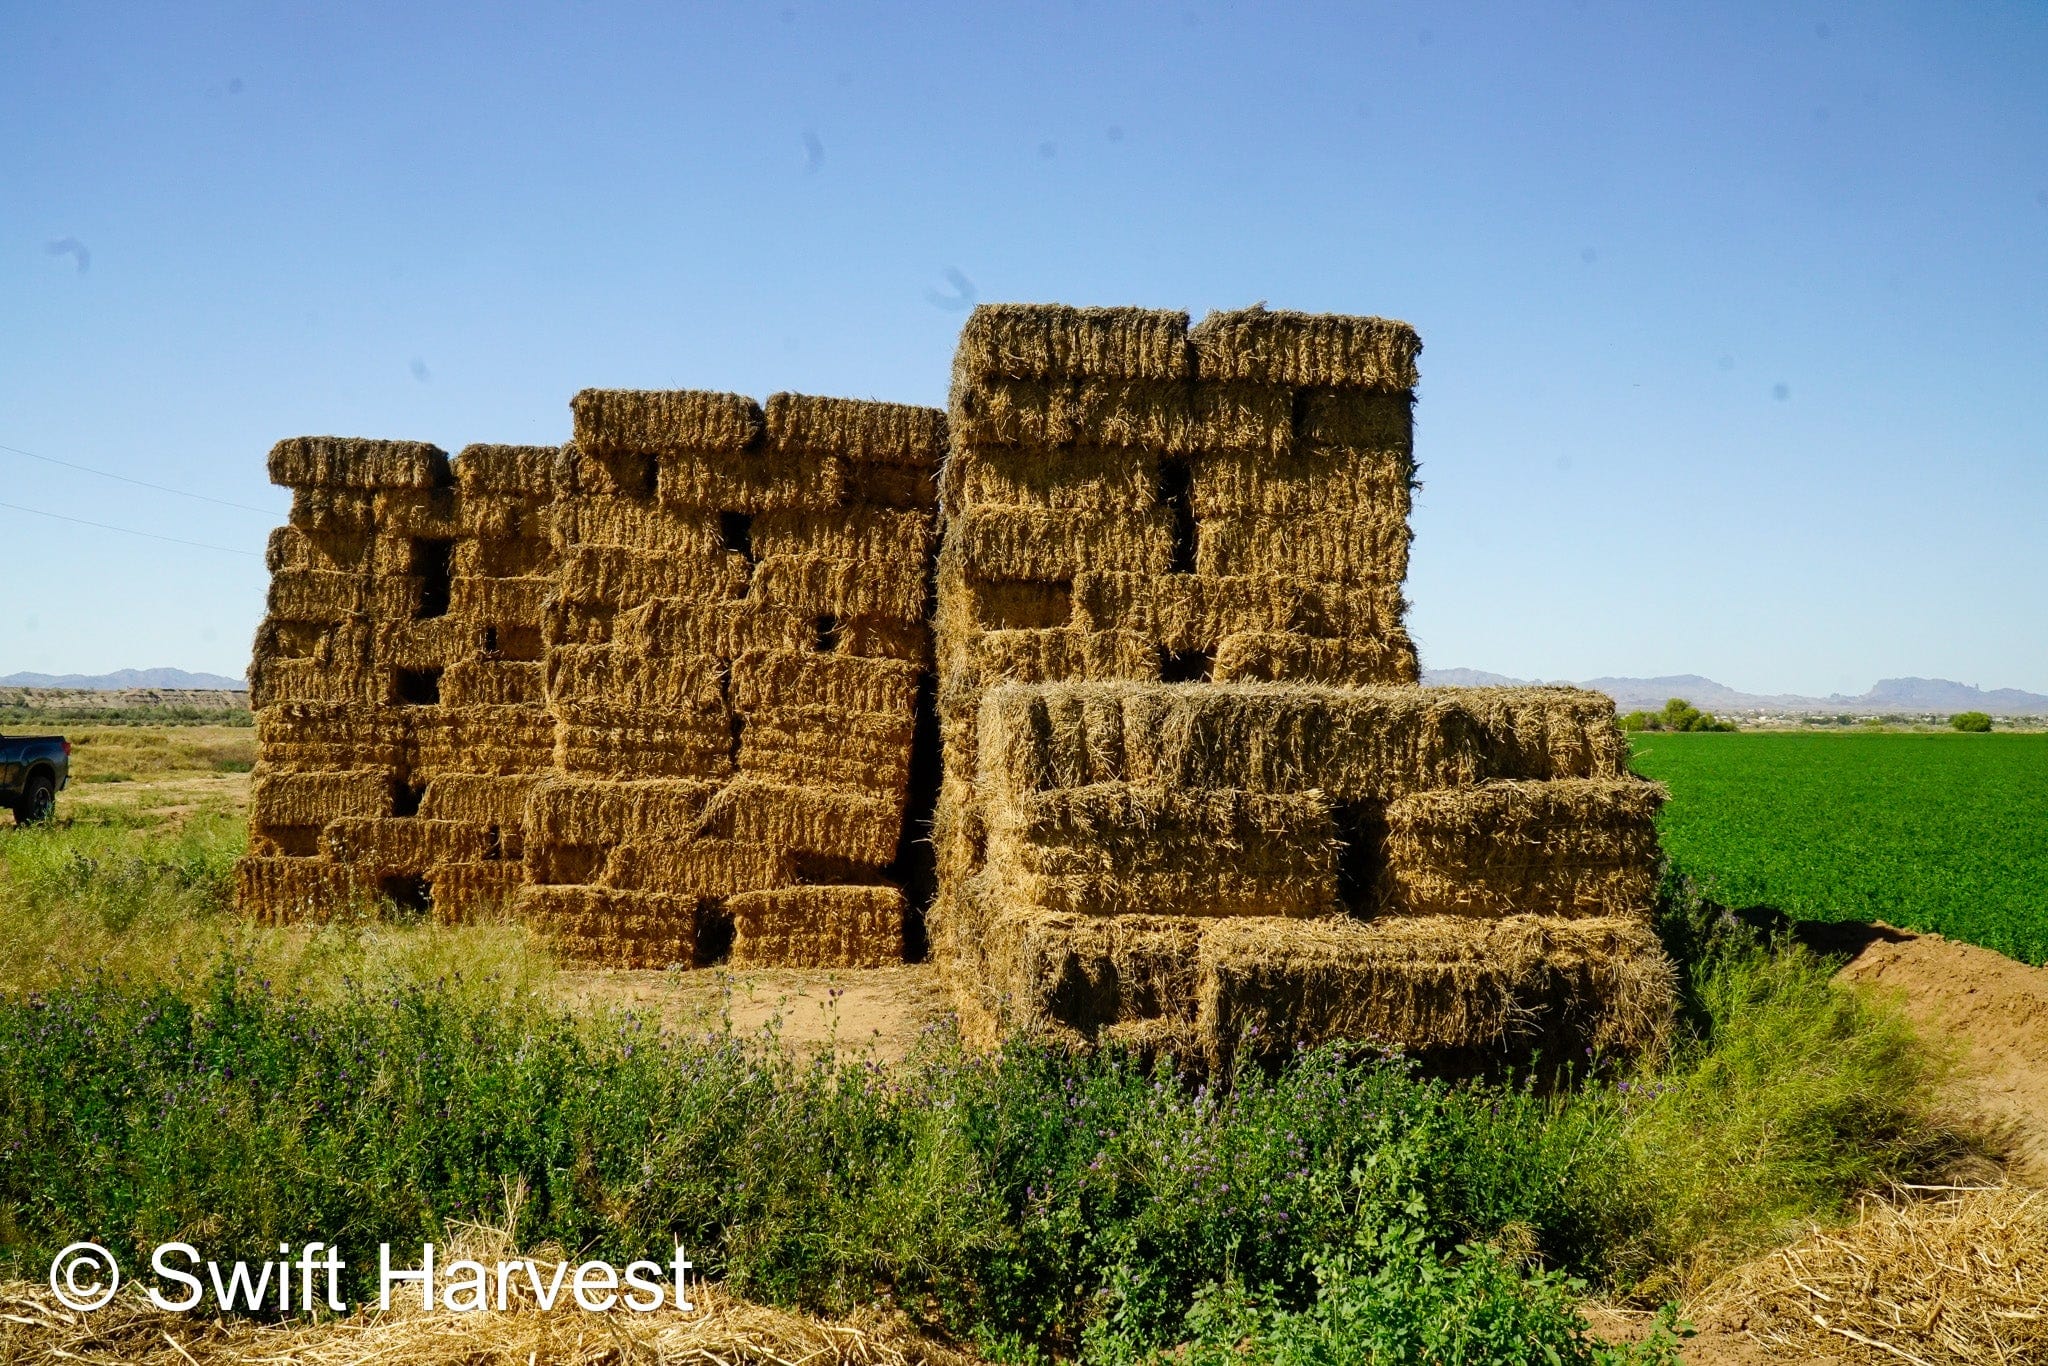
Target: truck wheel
[{"x": 38, "y": 801}]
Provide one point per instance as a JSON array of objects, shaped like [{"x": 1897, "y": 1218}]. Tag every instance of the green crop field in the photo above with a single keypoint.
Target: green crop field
[{"x": 1931, "y": 832}]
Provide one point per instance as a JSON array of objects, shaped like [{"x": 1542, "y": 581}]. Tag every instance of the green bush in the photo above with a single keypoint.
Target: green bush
[
  {"x": 1677, "y": 715},
  {"x": 1973, "y": 722}
]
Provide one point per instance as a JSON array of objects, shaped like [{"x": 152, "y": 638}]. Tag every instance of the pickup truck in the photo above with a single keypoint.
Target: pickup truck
[{"x": 33, "y": 770}]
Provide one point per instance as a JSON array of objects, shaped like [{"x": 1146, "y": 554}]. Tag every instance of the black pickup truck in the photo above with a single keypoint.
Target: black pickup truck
[{"x": 33, "y": 770}]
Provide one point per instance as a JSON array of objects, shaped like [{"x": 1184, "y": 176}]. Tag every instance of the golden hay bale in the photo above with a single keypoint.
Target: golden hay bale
[
  {"x": 1196, "y": 611},
  {"x": 1569, "y": 846},
  {"x": 865, "y": 751},
  {"x": 344, "y": 462},
  {"x": 756, "y": 482},
  {"x": 344, "y": 550},
  {"x": 332, "y": 512},
  {"x": 576, "y": 623},
  {"x": 313, "y": 680},
  {"x": 775, "y": 680},
  {"x": 571, "y": 811},
  {"x": 820, "y": 585},
  {"x": 1047, "y": 341},
  {"x": 969, "y": 602},
  {"x": 720, "y": 1331},
  {"x": 643, "y": 745},
  {"x": 1346, "y": 481},
  {"x": 639, "y": 523},
  {"x": 478, "y": 798},
  {"x": 1071, "y": 478},
  {"x": 314, "y": 595},
  {"x": 482, "y": 740},
  {"x": 1162, "y": 418},
  {"x": 403, "y": 844},
  {"x": 663, "y": 422},
  {"x": 521, "y": 471},
  {"x": 499, "y": 516},
  {"x": 696, "y": 868},
  {"x": 853, "y": 533},
  {"x": 1270, "y": 346},
  {"x": 1057, "y": 655},
  {"x": 1117, "y": 829},
  {"x": 317, "y": 798},
  {"x": 817, "y": 927},
  {"x": 433, "y": 513},
  {"x": 1076, "y": 977},
  {"x": 504, "y": 557},
  {"x": 618, "y": 576},
  {"x": 859, "y": 429},
  {"x": 1336, "y": 422},
  {"x": 861, "y": 827},
  {"x": 685, "y": 626},
  {"x": 332, "y": 736},
  {"x": 889, "y": 486},
  {"x": 467, "y": 893},
  {"x": 614, "y": 928},
  {"x": 493, "y": 683},
  {"x": 1960, "y": 1277},
  {"x": 1293, "y": 657},
  {"x": 1355, "y": 547},
  {"x": 583, "y": 677},
  {"x": 289, "y": 891},
  {"x": 1038, "y": 543}
]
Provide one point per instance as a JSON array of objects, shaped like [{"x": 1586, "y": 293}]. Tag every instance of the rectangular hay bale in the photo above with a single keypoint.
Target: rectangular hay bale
[
  {"x": 1275, "y": 346},
  {"x": 1050, "y": 341},
  {"x": 817, "y": 927},
  {"x": 612, "y": 928}
]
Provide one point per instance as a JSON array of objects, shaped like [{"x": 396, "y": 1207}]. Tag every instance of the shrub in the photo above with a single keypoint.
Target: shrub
[
  {"x": 1677, "y": 715},
  {"x": 1972, "y": 722}
]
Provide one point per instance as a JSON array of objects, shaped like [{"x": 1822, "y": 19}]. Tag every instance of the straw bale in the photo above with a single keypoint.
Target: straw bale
[
  {"x": 1335, "y": 422},
  {"x": 521, "y": 471},
  {"x": 344, "y": 550},
  {"x": 403, "y": 844},
  {"x": 1196, "y": 611},
  {"x": 1037, "y": 543},
  {"x": 464, "y": 893},
  {"x": 1077, "y": 977},
  {"x": 1069, "y": 478},
  {"x": 641, "y": 523},
  {"x": 493, "y": 683},
  {"x": 1570, "y": 846},
  {"x": 888, "y": 486},
  {"x": 820, "y": 585},
  {"x": 331, "y": 736},
  {"x": 479, "y": 799},
  {"x": 483, "y": 740},
  {"x": 1049, "y": 341},
  {"x": 570, "y": 811},
  {"x": 696, "y": 868},
  {"x": 847, "y": 534},
  {"x": 777, "y": 680},
  {"x": 662, "y": 747},
  {"x": 582, "y": 473},
  {"x": 664, "y": 421},
  {"x": 1354, "y": 744},
  {"x": 805, "y": 745},
  {"x": 685, "y": 626},
  {"x": 754, "y": 482},
  {"x": 583, "y": 677},
  {"x": 1288, "y": 656},
  {"x": 433, "y": 513},
  {"x": 1347, "y": 480},
  {"x": 619, "y": 577},
  {"x": 1162, "y": 418},
  {"x": 859, "y": 429},
  {"x": 278, "y": 641},
  {"x": 615, "y": 928},
  {"x": 284, "y": 841},
  {"x": 969, "y": 603},
  {"x": 959, "y": 835},
  {"x": 1056, "y": 655},
  {"x": 1358, "y": 547},
  {"x": 317, "y": 595},
  {"x": 1272, "y": 346},
  {"x": 503, "y": 557},
  {"x": 286, "y": 891},
  {"x": 313, "y": 680},
  {"x": 562, "y": 865},
  {"x": 576, "y": 623},
  {"x": 885, "y": 638},
  {"x": 859, "y": 827},
  {"x": 817, "y": 927},
  {"x": 1429, "y": 982},
  {"x": 300, "y": 798},
  {"x": 435, "y": 643},
  {"x": 502, "y": 516},
  {"x": 345, "y": 462},
  {"x": 1197, "y": 889},
  {"x": 333, "y": 512}
]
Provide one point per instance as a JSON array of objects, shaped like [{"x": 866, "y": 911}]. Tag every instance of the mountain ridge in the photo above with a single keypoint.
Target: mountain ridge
[
  {"x": 128, "y": 678},
  {"x": 1927, "y": 695}
]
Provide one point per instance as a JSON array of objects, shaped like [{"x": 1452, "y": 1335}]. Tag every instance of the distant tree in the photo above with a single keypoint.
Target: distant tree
[
  {"x": 1678, "y": 715},
  {"x": 1638, "y": 720},
  {"x": 1975, "y": 722}
]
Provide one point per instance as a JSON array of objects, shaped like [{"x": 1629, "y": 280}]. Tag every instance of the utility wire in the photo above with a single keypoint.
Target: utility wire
[
  {"x": 139, "y": 483},
  {"x": 127, "y": 531}
]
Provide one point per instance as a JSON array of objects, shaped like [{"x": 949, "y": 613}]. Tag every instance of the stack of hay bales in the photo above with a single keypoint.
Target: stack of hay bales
[
  {"x": 733, "y": 660},
  {"x": 396, "y": 678},
  {"x": 1192, "y": 795}
]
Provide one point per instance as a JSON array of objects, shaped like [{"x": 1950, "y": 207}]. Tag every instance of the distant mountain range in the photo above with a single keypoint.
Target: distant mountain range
[
  {"x": 125, "y": 678},
  {"x": 1939, "y": 696}
]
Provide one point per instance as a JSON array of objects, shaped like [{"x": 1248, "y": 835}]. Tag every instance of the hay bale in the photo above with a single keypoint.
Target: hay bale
[
  {"x": 1056, "y": 655},
  {"x": 582, "y": 678},
  {"x": 314, "y": 680},
  {"x": 1567, "y": 847},
  {"x": 612, "y": 928},
  {"x": 501, "y": 741},
  {"x": 431, "y": 513},
  {"x": 859, "y": 430},
  {"x": 493, "y": 683},
  {"x": 435, "y": 643},
  {"x": 778, "y": 680},
  {"x": 344, "y": 551},
  {"x": 344, "y": 462},
  {"x": 664, "y": 422},
  {"x": 315, "y": 798},
  {"x": 1270, "y": 346},
  {"x": 290, "y": 891},
  {"x": 889, "y": 486},
  {"x": 332, "y": 736},
  {"x": 469, "y": 893},
  {"x": 860, "y": 827},
  {"x": 1049, "y": 341},
  {"x": 1364, "y": 546},
  {"x": 517, "y": 471},
  {"x": 969, "y": 603},
  {"x": 1196, "y": 611},
  {"x": 1341, "y": 422},
  {"x": 696, "y": 868},
  {"x": 1044, "y": 544},
  {"x": 321, "y": 511},
  {"x": 820, "y": 585},
  {"x": 1334, "y": 482},
  {"x": 500, "y": 516},
  {"x": 587, "y": 812},
  {"x": 618, "y": 576},
  {"x": 684, "y": 626},
  {"x": 755, "y": 482},
  {"x": 888, "y": 535},
  {"x": 316, "y": 595},
  {"x": 504, "y": 557},
  {"x": 1068, "y": 478},
  {"x": 1293, "y": 657},
  {"x": 638, "y": 523},
  {"x": 403, "y": 844},
  {"x": 809, "y": 746},
  {"x": 817, "y": 927},
  {"x": 1078, "y": 978},
  {"x": 643, "y": 745},
  {"x": 1161, "y": 418},
  {"x": 479, "y": 799}
]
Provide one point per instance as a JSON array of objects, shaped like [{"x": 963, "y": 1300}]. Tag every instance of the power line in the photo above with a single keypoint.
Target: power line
[
  {"x": 127, "y": 531},
  {"x": 139, "y": 483}
]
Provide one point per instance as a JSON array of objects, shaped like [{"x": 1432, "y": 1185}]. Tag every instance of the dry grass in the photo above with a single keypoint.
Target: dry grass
[{"x": 1962, "y": 1277}]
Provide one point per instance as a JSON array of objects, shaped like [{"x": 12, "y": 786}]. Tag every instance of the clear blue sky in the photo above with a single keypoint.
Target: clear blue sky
[{"x": 1736, "y": 317}]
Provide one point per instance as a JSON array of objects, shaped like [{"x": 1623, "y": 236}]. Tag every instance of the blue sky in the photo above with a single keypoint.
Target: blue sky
[{"x": 1735, "y": 317}]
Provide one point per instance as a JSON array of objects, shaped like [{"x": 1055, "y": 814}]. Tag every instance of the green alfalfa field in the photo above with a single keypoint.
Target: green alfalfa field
[{"x": 1939, "y": 832}]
